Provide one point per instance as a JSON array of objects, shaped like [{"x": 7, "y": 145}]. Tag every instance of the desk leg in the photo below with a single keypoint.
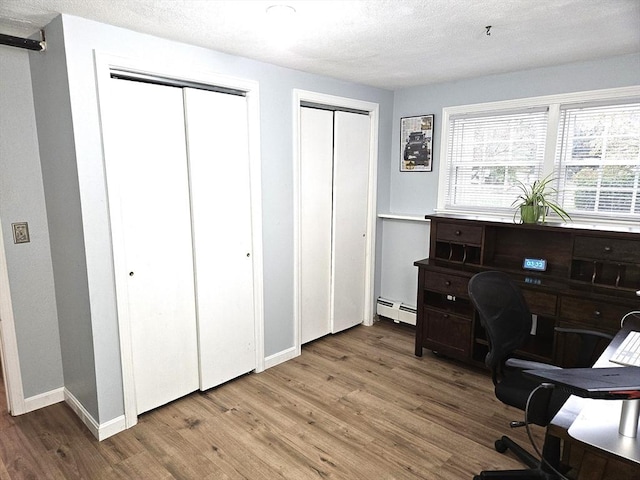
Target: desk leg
[
  {"x": 550, "y": 452},
  {"x": 629, "y": 418}
]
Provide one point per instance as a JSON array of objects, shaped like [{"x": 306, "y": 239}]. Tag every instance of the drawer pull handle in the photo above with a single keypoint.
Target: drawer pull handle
[
  {"x": 458, "y": 233},
  {"x": 608, "y": 249},
  {"x": 597, "y": 313},
  {"x": 447, "y": 283}
]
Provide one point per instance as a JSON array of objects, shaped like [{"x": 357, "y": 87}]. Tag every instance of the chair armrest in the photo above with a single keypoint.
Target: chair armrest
[
  {"x": 529, "y": 364},
  {"x": 584, "y": 332}
]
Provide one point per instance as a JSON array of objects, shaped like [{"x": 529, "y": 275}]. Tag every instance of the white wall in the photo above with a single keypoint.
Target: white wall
[{"x": 22, "y": 200}]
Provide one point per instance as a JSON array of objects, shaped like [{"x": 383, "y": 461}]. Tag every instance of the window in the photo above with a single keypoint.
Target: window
[
  {"x": 490, "y": 153},
  {"x": 598, "y": 159},
  {"x": 588, "y": 142}
]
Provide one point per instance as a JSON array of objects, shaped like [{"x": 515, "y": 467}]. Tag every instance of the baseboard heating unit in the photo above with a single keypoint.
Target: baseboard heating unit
[{"x": 396, "y": 311}]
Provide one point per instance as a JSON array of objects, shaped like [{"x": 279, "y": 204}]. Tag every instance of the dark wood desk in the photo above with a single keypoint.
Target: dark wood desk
[
  {"x": 590, "y": 462},
  {"x": 590, "y": 281}
]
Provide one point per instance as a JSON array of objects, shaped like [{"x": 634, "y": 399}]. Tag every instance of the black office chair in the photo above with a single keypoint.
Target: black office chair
[{"x": 505, "y": 316}]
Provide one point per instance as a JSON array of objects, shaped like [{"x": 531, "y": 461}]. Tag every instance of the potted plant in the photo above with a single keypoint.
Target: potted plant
[{"x": 534, "y": 204}]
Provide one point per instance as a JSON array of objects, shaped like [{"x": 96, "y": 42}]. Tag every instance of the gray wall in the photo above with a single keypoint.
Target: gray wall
[
  {"x": 74, "y": 176},
  {"x": 64, "y": 213},
  {"x": 403, "y": 242},
  {"x": 417, "y": 192},
  {"x": 22, "y": 200}
]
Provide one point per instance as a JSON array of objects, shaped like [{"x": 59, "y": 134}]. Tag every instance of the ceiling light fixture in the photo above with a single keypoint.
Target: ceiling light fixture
[
  {"x": 281, "y": 11},
  {"x": 281, "y": 28}
]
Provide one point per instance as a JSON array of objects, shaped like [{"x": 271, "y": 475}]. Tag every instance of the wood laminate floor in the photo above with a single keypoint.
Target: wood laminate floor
[{"x": 356, "y": 405}]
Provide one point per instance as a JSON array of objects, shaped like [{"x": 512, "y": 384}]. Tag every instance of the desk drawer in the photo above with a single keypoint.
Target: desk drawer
[
  {"x": 607, "y": 249},
  {"x": 456, "y": 233},
  {"x": 601, "y": 315},
  {"x": 541, "y": 303},
  {"x": 446, "y": 283},
  {"x": 447, "y": 334}
]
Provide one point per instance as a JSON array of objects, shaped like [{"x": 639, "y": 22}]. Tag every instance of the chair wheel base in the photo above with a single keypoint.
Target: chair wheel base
[{"x": 500, "y": 446}]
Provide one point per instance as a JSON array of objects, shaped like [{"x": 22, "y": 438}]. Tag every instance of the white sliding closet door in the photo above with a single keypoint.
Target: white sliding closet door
[
  {"x": 316, "y": 171},
  {"x": 218, "y": 141},
  {"x": 350, "y": 201},
  {"x": 334, "y": 181},
  {"x": 147, "y": 152}
]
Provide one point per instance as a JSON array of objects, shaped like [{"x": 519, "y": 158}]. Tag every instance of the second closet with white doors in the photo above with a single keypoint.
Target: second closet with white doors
[
  {"x": 177, "y": 162},
  {"x": 334, "y": 183}
]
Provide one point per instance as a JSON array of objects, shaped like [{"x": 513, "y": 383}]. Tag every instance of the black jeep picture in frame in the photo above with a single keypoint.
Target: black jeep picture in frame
[{"x": 416, "y": 143}]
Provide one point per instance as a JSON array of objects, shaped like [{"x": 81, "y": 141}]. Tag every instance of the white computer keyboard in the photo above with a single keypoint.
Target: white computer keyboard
[{"x": 628, "y": 353}]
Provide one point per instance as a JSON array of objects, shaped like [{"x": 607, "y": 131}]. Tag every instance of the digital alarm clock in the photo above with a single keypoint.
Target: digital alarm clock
[{"x": 536, "y": 264}]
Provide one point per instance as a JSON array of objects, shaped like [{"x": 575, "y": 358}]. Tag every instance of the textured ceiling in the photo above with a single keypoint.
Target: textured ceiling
[{"x": 384, "y": 43}]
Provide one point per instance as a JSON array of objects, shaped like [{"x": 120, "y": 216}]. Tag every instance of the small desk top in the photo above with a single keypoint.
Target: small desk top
[{"x": 567, "y": 421}]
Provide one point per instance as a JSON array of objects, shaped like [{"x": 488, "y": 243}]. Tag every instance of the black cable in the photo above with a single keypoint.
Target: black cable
[
  {"x": 530, "y": 434},
  {"x": 632, "y": 312}
]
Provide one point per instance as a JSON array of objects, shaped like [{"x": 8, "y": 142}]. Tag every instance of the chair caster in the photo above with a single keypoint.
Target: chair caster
[{"x": 500, "y": 446}]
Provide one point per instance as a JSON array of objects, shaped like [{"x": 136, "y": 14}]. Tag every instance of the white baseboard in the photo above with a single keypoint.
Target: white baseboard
[
  {"x": 100, "y": 431},
  {"x": 111, "y": 427},
  {"x": 43, "y": 400},
  {"x": 280, "y": 357}
]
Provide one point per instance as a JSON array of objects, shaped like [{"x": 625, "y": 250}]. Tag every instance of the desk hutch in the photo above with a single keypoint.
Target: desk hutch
[{"x": 591, "y": 278}]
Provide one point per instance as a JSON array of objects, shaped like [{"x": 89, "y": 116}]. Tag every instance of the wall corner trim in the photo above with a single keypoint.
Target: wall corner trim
[{"x": 100, "y": 431}]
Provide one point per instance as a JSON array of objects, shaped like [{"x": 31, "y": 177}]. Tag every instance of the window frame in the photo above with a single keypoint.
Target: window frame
[{"x": 553, "y": 103}]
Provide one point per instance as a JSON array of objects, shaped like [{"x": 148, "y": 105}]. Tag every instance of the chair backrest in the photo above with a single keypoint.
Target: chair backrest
[{"x": 503, "y": 312}]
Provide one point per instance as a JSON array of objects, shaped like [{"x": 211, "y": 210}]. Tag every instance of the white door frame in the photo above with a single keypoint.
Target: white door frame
[
  {"x": 8, "y": 341},
  {"x": 104, "y": 64},
  {"x": 300, "y": 96}
]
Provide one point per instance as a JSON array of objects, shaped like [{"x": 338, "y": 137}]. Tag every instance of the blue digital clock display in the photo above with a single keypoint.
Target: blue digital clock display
[{"x": 537, "y": 264}]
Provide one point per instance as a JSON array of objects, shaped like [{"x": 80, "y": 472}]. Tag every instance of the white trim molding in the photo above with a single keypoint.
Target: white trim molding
[
  {"x": 404, "y": 217},
  {"x": 281, "y": 357},
  {"x": 98, "y": 430},
  {"x": 8, "y": 341},
  {"x": 45, "y": 399}
]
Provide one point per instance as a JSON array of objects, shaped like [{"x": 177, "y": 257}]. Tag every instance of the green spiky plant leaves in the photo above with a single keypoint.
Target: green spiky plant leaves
[{"x": 534, "y": 198}]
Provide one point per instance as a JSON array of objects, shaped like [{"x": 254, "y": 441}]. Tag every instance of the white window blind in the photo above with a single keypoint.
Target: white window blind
[
  {"x": 489, "y": 153},
  {"x": 598, "y": 160}
]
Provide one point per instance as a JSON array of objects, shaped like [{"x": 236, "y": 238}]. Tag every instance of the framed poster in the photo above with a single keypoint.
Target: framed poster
[{"x": 416, "y": 143}]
